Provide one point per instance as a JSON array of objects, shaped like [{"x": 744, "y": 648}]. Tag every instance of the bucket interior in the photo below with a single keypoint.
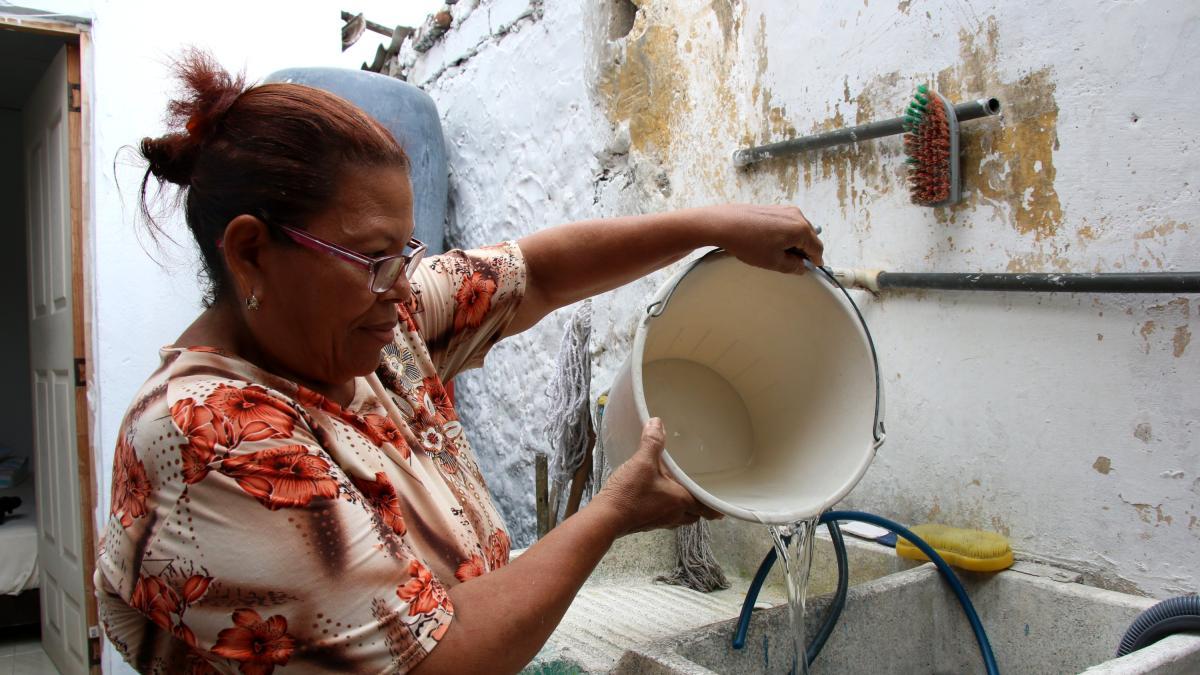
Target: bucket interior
[{"x": 766, "y": 387}]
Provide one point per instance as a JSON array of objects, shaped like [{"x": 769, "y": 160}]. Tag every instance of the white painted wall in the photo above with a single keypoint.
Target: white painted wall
[{"x": 1068, "y": 422}]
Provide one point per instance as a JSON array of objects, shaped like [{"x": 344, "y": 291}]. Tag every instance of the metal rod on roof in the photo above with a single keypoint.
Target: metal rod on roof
[{"x": 371, "y": 25}]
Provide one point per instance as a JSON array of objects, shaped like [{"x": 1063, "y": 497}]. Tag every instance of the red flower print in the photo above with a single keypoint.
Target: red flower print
[
  {"x": 311, "y": 399},
  {"x": 281, "y": 477},
  {"x": 473, "y": 300},
  {"x": 381, "y": 429},
  {"x": 440, "y": 399},
  {"x": 470, "y": 568},
  {"x": 425, "y": 413},
  {"x": 382, "y": 495},
  {"x": 498, "y": 549},
  {"x": 259, "y": 645},
  {"x": 251, "y": 413},
  {"x": 195, "y": 588},
  {"x": 184, "y": 633},
  {"x": 406, "y": 317},
  {"x": 199, "y": 423},
  {"x": 423, "y": 593},
  {"x": 131, "y": 487},
  {"x": 156, "y": 600},
  {"x": 204, "y": 432}
]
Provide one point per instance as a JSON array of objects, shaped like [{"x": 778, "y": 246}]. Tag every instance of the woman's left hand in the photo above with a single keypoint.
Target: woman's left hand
[{"x": 777, "y": 238}]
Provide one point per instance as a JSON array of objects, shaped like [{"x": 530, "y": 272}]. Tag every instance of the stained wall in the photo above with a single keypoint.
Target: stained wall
[{"x": 1067, "y": 422}]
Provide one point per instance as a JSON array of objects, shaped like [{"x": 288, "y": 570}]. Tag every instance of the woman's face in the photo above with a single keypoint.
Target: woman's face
[{"x": 318, "y": 318}]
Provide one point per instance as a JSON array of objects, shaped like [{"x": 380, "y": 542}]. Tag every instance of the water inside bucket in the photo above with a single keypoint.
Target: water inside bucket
[{"x": 708, "y": 426}]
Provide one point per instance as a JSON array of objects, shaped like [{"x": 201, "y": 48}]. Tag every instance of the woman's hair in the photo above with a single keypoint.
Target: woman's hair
[{"x": 269, "y": 150}]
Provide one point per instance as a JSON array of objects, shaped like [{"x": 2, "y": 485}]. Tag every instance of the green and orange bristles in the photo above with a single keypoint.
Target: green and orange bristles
[{"x": 931, "y": 143}]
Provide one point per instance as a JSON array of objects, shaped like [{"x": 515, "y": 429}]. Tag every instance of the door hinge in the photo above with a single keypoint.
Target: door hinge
[
  {"x": 74, "y": 97},
  {"x": 80, "y": 372},
  {"x": 94, "y": 649}
]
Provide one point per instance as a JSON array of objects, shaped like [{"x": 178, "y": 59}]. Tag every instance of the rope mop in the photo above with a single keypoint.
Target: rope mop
[
  {"x": 567, "y": 428},
  {"x": 695, "y": 565}
]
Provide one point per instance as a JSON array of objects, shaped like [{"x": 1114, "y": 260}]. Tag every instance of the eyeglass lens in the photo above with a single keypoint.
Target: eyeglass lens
[{"x": 389, "y": 270}]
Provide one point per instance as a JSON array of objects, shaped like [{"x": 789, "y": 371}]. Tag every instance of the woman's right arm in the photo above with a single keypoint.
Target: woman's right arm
[{"x": 502, "y": 619}]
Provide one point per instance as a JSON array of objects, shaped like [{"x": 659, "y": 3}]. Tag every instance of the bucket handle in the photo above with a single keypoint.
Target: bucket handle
[{"x": 878, "y": 431}]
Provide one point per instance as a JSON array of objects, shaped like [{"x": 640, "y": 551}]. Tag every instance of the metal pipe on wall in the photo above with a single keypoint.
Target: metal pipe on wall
[
  {"x": 1052, "y": 282},
  {"x": 897, "y": 125}
]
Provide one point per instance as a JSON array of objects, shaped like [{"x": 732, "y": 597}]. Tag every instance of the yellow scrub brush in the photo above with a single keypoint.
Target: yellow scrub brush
[{"x": 973, "y": 550}]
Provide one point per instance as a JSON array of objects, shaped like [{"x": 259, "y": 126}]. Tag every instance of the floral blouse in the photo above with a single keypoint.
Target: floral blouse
[{"x": 257, "y": 525}]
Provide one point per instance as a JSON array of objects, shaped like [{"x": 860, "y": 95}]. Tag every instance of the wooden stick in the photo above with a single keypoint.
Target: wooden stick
[
  {"x": 541, "y": 494},
  {"x": 579, "y": 480}
]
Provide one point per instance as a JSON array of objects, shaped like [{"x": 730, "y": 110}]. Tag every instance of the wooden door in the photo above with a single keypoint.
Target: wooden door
[{"x": 61, "y": 552}]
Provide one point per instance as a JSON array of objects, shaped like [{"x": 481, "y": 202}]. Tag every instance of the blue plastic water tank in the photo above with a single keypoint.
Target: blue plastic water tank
[{"x": 412, "y": 117}]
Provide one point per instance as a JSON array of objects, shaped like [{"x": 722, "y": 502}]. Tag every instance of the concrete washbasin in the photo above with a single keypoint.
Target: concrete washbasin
[
  {"x": 1038, "y": 619},
  {"x": 899, "y": 617}
]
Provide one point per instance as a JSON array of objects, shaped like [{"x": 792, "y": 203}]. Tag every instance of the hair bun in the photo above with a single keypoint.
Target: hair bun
[
  {"x": 171, "y": 157},
  {"x": 208, "y": 92}
]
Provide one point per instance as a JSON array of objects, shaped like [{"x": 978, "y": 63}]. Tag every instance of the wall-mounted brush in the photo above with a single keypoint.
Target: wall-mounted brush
[
  {"x": 930, "y": 128},
  {"x": 931, "y": 143}
]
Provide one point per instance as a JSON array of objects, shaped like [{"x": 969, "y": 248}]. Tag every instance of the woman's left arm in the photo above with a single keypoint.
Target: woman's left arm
[{"x": 571, "y": 262}]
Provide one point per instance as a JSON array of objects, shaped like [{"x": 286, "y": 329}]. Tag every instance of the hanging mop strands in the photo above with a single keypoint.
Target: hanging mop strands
[
  {"x": 569, "y": 420},
  {"x": 931, "y": 143}
]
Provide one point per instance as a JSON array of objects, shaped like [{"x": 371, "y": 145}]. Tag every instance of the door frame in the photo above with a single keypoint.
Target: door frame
[{"x": 79, "y": 125}]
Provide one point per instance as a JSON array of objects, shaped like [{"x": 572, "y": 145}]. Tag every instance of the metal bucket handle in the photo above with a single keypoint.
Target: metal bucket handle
[{"x": 877, "y": 430}]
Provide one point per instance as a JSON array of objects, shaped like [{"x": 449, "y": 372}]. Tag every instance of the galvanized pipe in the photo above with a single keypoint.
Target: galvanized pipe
[
  {"x": 1153, "y": 282},
  {"x": 964, "y": 111}
]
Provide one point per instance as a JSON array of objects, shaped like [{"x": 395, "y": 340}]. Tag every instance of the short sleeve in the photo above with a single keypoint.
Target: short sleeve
[
  {"x": 463, "y": 301},
  {"x": 270, "y": 556}
]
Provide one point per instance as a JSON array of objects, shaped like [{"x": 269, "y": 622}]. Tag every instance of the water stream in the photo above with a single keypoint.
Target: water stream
[{"x": 794, "y": 551}]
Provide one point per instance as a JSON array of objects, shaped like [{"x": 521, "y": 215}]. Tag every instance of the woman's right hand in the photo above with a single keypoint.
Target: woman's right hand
[{"x": 643, "y": 496}]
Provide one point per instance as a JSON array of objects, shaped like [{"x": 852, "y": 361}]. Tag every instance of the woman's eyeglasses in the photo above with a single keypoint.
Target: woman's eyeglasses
[{"x": 385, "y": 270}]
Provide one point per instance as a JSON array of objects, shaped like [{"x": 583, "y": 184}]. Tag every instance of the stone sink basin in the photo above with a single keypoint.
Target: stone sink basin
[
  {"x": 899, "y": 617},
  {"x": 1038, "y": 619}
]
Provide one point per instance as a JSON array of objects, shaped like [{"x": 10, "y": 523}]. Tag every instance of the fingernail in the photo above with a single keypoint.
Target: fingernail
[{"x": 656, "y": 423}]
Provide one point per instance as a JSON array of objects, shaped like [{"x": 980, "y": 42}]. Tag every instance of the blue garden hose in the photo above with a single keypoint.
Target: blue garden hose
[{"x": 831, "y": 518}]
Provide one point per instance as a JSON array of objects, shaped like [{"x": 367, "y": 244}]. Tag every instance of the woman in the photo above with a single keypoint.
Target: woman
[{"x": 292, "y": 489}]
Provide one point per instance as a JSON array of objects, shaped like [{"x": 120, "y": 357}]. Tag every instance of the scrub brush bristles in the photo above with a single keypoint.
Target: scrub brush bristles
[
  {"x": 973, "y": 550},
  {"x": 931, "y": 143}
]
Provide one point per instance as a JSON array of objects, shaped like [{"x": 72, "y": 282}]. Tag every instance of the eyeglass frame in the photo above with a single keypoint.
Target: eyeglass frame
[{"x": 373, "y": 265}]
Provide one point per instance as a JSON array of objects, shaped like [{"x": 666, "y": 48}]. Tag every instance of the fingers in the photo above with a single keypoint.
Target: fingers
[
  {"x": 654, "y": 438},
  {"x": 810, "y": 243},
  {"x": 799, "y": 239}
]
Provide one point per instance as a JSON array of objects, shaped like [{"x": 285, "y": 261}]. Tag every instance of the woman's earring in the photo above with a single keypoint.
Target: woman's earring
[{"x": 252, "y": 302}]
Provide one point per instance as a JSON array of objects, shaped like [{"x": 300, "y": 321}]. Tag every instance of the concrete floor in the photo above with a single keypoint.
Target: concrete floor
[{"x": 21, "y": 654}]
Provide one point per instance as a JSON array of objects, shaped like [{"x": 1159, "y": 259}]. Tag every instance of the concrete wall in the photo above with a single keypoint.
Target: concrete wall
[
  {"x": 16, "y": 414},
  {"x": 1067, "y": 422}
]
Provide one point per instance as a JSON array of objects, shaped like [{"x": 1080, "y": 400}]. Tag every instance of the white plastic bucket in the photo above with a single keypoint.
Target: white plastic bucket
[{"x": 767, "y": 384}]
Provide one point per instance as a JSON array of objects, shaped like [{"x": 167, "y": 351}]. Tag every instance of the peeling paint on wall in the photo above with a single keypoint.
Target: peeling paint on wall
[
  {"x": 1009, "y": 165},
  {"x": 1017, "y": 394},
  {"x": 1142, "y": 432}
]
